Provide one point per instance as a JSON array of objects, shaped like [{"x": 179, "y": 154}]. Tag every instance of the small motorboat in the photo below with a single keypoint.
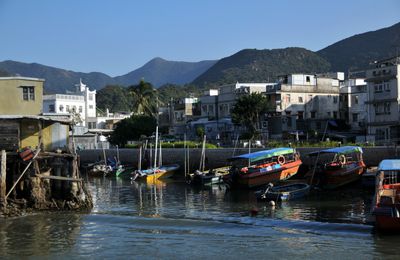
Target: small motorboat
[
  {"x": 260, "y": 168},
  {"x": 283, "y": 192},
  {"x": 386, "y": 202},
  {"x": 336, "y": 167},
  {"x": 209, "y": 177}
]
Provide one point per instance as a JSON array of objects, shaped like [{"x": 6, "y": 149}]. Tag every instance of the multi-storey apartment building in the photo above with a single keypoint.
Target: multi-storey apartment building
[
  {"x": 303, "y": 102},
  {"x": 383, "y": 101},
  {"x": 21, "y": 96},
  {"x": 353, "y": 108},
  {"x": 81, "y": 102}
]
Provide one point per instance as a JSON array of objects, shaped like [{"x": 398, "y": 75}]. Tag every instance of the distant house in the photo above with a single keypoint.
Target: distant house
[
  {"x": 303, "y": 102},
  {"x": 81, "y": 102},
  {"x": 48, "y": 133},
  {"x": 21, "y": 96},
  {"x": 383, "y": 86}
]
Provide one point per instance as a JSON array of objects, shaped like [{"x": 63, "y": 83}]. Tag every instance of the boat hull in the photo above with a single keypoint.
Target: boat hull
[
  {"x": 285, "y": 192},
  {"x": 264, "y": 176},
  {"x": 339, "y": 177},
  {"x": 387, "y": 224},
  {"x": 205, "y": 178}
]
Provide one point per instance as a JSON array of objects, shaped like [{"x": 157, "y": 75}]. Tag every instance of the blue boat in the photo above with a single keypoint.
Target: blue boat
[{"x": 284, "y": 192}]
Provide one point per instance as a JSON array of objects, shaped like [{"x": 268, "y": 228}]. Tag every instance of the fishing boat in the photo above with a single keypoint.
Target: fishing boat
[
  {"x": 284, "y": 192},
  {"x": 260, "y": 168},
  {"x": 158, "y": 171},
  {"x": 209, "y": 177},
  {"x": 386, "y": 202},
  {"x": 206, "y": 177},
  {"x": 336, "y": 167}
]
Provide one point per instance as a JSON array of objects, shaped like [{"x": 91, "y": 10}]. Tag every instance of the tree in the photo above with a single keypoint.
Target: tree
[
  {"x": 132, "y": 128},
  {"x": 115, "y": 98},
  {"x": 144, "y": 99},
  {"x": 247, "y": 112}
]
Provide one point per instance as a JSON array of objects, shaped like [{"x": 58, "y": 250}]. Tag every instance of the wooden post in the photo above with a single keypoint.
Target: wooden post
[{"x": 3, "y": 200}]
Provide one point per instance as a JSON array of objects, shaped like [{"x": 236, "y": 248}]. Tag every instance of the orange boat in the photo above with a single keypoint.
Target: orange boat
[
  {"x": 263, "y": 167},
  {"x": 336, "y": 167},
  {"x": 386, "y": 203}
]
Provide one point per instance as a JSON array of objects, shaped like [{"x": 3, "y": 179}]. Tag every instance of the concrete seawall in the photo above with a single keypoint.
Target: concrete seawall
[{"x": 217, "y": 157}]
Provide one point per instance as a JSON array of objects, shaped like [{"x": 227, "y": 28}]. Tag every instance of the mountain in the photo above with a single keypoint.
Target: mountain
[
  {"x": 356, "y": 52},
  {"x": 57, "y": 80},
  {"x": 251, "y": 65},
  {"x": 159, "y": 72}
]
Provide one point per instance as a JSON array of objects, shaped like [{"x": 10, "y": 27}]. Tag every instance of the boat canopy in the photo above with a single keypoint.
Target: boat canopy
[
  {"x": 340, "y": 150},
  {"x": 256, "y": 156},
  {"x": 389, "y": 165}
]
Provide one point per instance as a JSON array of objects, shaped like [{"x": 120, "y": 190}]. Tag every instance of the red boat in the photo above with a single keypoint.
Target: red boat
[
  {"x": 386, "y": 203},
  {"x": 263, "y": 167},
  {"x": 336, "y": 167}
]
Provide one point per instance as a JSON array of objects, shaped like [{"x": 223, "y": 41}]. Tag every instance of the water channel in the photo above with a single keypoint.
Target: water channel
[{"x": 174, "y": 220}]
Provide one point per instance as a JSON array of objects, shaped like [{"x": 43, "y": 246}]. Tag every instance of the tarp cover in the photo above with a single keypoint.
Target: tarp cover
[
  {"x": 256, "y": 156},
  {"x": 389, "y": 165},
  {"x": 340, "y": 150}
]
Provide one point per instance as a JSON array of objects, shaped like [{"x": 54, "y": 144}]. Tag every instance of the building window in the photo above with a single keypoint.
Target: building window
[
  {"x": 300, "y": 99},
  {"x": 378, "y": 88},
  {"x": 386, "y": 108},
  {"x": 355, "y": 117},
  {"x": 308, "y": 79},
  {"x": 28, "y": 93},
  {"x": 90, "y": 97},
  {"x": 289, "y": 121},
  {"x": 51, "y": 108},
  {"x": 80, "y": 109},
  {"x": 334, "y": 114},
  {"x": 90, "y": 106},
  {"x": 300, "y": 114},
  {"x": 288, "y": 98},
  {"x": 386, "y": 86},
  {"x": 67, "y": 108},
  {"x": 73, "y": 109},
  {"x": 329, "y": 113},
  {"x": 355, "y": 99},
  {"x": 312, "y": 114},
  {"x": 335, "y": 99},
  {"x": 61, "y": 108}
]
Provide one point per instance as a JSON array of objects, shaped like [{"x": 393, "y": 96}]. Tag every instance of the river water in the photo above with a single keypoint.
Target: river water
[{"x": 174, "y": 221}]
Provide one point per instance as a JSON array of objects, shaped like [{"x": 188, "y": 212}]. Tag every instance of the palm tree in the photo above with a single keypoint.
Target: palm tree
[{"x": 144, "y": 99}]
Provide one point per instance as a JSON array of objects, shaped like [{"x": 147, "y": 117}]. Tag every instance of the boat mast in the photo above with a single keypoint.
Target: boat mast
[
  {"x": 160, "y": 157},
  {"x": 140, "y": 158},
  {"x": 155, "y": 149},
  {"x": 184, "y": 150},
  {"x": 203, "y": 155}
]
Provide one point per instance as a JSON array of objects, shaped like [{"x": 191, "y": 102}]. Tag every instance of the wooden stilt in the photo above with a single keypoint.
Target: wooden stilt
[{"x": 3, "y": 200}]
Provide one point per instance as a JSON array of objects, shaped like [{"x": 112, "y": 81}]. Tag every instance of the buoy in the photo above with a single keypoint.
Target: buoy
[
  {"x": 272, "y": 203},
  {"x": 254, "y": 211}
]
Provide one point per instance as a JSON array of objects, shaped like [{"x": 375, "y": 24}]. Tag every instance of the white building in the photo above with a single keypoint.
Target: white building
[
  {"x": 383, "y": 101},
  {"x": 353, "y": 99},
  {"x": 82, "y": 102},
  {"x": 305, "y": 97}
]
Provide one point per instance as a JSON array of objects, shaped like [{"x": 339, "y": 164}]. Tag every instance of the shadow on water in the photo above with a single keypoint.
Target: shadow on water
[{"x": 175, "y": 220}]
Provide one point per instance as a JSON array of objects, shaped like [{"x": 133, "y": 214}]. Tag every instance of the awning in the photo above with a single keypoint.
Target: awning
[
  {"x": 340, "y": 150},
  {"x": 256, "y": 156},
  {"x": 389, "y": 165}
]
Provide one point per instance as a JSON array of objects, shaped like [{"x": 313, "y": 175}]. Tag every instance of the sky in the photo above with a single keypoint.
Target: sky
[{"x": 118, "y": 36}]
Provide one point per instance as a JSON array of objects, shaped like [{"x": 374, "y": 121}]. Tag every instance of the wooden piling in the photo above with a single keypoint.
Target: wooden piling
[{"x": 3, "y": 172}]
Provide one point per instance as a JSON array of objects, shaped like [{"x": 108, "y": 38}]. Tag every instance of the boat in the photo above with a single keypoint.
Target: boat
[
  {"x": 158, "y": 171},
  {"x": 209, "y": 177},
  {"x": 386, "y": 202},
  {"x": 284, "y": 192},
  {"x": 336, "y": 167},
  {"x": 260, "y": 168},
  {"x": 206, "y": 177}
]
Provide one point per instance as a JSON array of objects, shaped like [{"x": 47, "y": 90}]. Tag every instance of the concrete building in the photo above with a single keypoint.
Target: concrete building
[
  {"x": 81, "y": 102},
  {"x": 353, "y": 108},
  {"x": 383, "y": 101},
  {"x": 21, "y": 96},
  {"x": 183, "y": 111},
  {"x": 302, "y": 102}
]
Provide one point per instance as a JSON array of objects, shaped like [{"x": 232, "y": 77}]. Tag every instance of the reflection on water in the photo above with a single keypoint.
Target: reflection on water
[{"x": 174, "y": 220}]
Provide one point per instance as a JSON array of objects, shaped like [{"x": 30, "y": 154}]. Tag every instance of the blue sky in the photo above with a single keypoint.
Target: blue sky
[{"x": 117, "y": 36}]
